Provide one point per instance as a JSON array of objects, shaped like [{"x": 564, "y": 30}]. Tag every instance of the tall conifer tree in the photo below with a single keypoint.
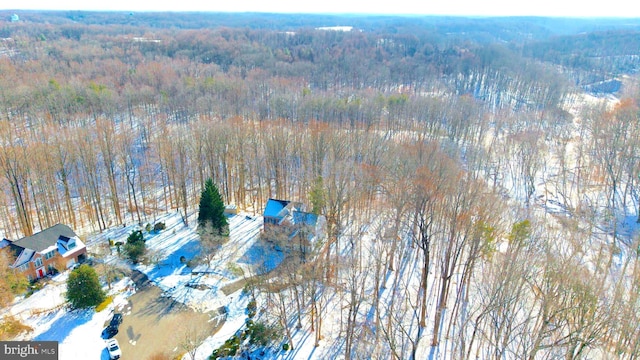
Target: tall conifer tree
[{"x": 212, "y": 207}]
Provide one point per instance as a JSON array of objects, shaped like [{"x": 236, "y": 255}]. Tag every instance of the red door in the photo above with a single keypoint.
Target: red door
[{"x": 40, "y": 272}]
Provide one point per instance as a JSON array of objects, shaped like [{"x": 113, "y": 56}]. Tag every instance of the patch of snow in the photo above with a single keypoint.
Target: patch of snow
[
  {"x": 336, "y": 28},
  {"x": 235, "y": 320},
  {"x": 78, "y": 332}
]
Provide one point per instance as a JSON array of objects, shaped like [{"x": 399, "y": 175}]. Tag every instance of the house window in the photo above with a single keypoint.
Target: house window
[
  {"x": 50, "y": 254},
  {"x": 71, "y": 244},
  {"x": 23, "y": 267},
  {"x": 38, "y": 262}
]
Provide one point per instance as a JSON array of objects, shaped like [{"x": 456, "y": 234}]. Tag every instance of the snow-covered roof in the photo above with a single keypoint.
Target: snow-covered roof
[
  {"x": 45, "y": 238},
  {"x": 50, "y": 248},
  {"x": 304, "y": 218},
  {"x": 4, "y": 243},
  {"x": 25, "y": 256},
  {"x": 274, "y": 207},
  {"x": 281, "y": 209},
  {"x": 63, "y": 247}
]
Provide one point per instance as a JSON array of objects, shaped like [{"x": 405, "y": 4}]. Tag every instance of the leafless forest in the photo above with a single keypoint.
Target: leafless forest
[{"x": 480, "y": 179}]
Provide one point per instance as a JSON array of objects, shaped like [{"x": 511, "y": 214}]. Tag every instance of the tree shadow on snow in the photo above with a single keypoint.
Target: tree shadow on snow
[
  {"x": 62, "y": 327},
  {"x": 262, "y": 256},
  {"x": 104, "y": 355}
]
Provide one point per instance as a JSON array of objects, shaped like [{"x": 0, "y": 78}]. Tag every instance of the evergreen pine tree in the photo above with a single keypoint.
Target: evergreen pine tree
[
  {"x": 135, "y": 246},
  {"x": 317, "y": 196},
  {"x": 212, "y": 207},
  {"x": 83, "y": 288}
]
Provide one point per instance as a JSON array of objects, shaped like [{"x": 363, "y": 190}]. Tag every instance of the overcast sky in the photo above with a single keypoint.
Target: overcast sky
[{"x": 573, "y": 8}]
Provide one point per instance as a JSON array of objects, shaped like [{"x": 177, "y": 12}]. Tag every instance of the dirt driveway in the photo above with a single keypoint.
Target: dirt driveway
[{"x": 154, "y": 324}]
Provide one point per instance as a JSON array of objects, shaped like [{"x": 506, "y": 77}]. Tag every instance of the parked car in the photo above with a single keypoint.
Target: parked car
[
  {"x": 114, "y": 349},
  {"x": 116, "y": 320},
  {"x": 109, "y": 332},
  {"x": 112, "y": 329}
]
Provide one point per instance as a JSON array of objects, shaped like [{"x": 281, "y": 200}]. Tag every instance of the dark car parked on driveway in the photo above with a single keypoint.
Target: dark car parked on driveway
[
  {"x": 116, "y": 320},
  {"x": 112, "y": 329}
]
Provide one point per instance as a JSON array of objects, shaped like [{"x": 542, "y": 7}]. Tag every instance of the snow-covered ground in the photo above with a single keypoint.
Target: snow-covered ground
[
  {"x": 236, "y": 316},
  {"x": 181, "y": 242},
  {"x": 78, "y": 332}
]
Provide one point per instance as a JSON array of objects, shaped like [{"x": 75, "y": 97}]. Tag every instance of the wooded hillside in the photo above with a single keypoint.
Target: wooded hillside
[{"x": 497, "y": 161}]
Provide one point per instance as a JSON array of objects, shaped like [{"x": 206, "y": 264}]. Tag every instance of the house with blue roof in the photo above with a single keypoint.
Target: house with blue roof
[
  {"x": 288, "y": 220},
  {"x": 277, "y": 211}
]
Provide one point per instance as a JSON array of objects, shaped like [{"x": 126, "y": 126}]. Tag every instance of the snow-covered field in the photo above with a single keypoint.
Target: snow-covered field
[{"x": 79, "y": 332}]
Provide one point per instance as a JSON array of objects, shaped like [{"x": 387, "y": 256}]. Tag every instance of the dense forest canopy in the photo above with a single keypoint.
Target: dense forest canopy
[{"x": 501, "y": 155}]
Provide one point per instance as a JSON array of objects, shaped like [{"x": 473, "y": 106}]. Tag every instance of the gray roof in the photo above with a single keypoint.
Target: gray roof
[{"x": 45, "y": 238}]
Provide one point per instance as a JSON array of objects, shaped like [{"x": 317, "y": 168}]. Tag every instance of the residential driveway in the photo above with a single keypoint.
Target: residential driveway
[{"x": 153, "y": 324}]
